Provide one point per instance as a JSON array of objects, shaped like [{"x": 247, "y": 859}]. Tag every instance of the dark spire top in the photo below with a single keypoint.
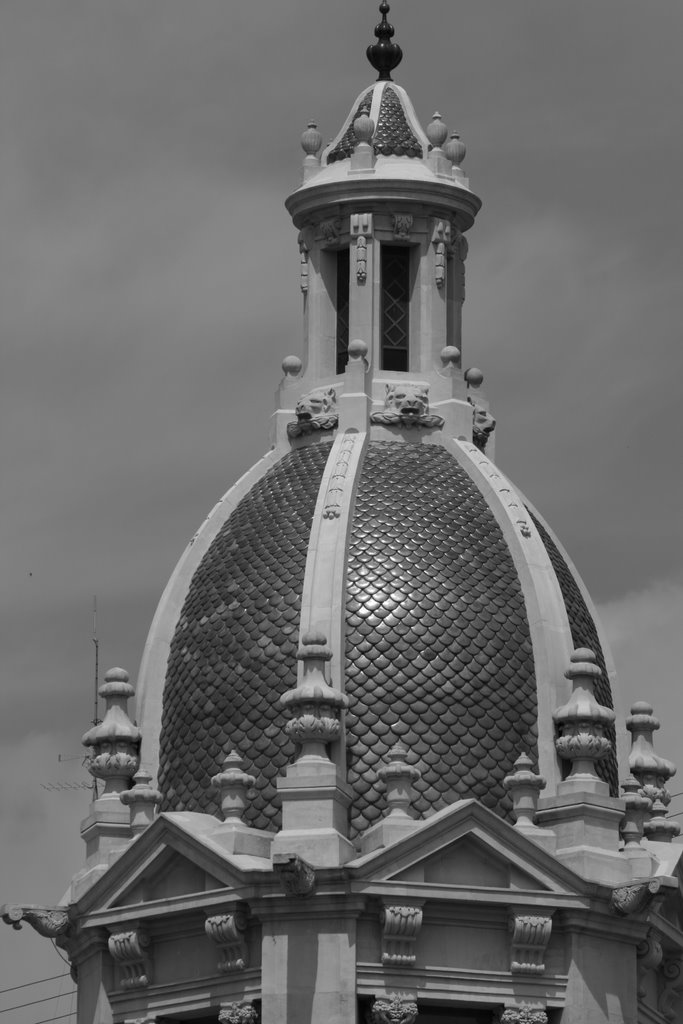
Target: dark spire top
[{"x": 384, "y": 55}]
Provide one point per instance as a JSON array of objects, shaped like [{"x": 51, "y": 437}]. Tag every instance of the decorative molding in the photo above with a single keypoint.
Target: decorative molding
[
  {"x": 315, "y": 411},
  {"x": 523, "y": 1015},
  {"x": 501, "y": 487},
  {"x": 296, "y": 875},
  {"x": 239, "y": 1013},
  {"x": 303, "y": 260},
  {"x": 392, "y": 1011},
  {"x": 335, "y": 488},
  {"x": 401, "y": 927},
  {"x": 47, "y": 921},
  {"x": 330, "y": 229},
  {"x": 361, "y": 229},
  {"x": 635, "y": 897},
  {"x": 403, "y": 223},
  {"x": 228, "y": 933},
  {"x": 130, "y": 949},
  {"x": 673, "y": 985},
  {"x": 441, "y": 240},
  {"x": 407, "y": 405},
  {"x": 530, "y": 938},
  {"x": 650, "y": 955}
]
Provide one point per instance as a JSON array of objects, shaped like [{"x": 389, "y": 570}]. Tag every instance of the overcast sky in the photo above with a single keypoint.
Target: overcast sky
[{"x": 149, "y": 291}]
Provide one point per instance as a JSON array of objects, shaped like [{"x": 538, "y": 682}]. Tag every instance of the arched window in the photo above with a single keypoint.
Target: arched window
[{"x": 342, "y": 309}]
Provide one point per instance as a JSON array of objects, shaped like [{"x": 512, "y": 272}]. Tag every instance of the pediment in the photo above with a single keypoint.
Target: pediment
[
  {"x": 466, "y": 845},
  {"x": 470, "y": 861},
  {"x": 168, "y": 875},
  {"x": 174, "y": 858}
]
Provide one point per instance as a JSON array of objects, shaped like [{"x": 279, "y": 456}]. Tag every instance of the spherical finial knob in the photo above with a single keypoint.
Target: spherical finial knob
[
  {"x": 384, "y": 55},
  {"x": 364, "y": 126},
  {"x": 311, "y": 139},
  {"x": 474, "y": 377},
  {"x": 455, "y": 149},
  {"x": 437, "y": 132},
  {"x": 357, "y": 349},
  {"x": 291, "y": 366},
  {"x": 450, "y": 355}
]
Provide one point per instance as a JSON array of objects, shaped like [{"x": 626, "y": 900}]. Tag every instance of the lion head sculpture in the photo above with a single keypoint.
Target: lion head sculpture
[
  {"x": 315, "y": 411},
  {"x": 406, "y": 405},
  {"x": 483, "y": 425}
]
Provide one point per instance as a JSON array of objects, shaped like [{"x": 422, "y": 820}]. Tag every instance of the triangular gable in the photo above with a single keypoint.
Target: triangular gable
[
  {"x": 174, "y": 857},
  {"x": 467, "y": 845}
]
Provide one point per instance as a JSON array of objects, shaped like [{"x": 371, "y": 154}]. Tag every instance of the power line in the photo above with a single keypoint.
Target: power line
[
  {"x": 34, "y": 1002},
  {"x": 30, "y": 984},
  {"x": 48, "y": 1020}
]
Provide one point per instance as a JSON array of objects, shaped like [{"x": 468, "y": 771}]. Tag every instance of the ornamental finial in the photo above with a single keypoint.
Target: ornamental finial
[{"x": 384, "y": 55}]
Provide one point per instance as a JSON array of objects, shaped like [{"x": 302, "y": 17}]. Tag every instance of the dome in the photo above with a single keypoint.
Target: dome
[
  {"x": 378, "y": 523},
  {"x": 437, "y": 632}
]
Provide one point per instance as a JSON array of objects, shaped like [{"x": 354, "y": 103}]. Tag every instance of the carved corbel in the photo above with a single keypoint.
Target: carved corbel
[
  {"x": 361, "y": 230},
  {"x": 673, "y": 985},
  {"x": 401, "y": 927},
  {"x": 530, "y": 937},
  {"x": 331, "y": 229},
  {"x": 392, "y": 1011},
  {"x": 239, "y": 1013},
  {"x": 650, "y": 954},
  {"x": 296, "y": 875},
  {"x": 403, "y": 223},
  {"x": 130, "y": 950},
  {"x": 637, "y": 897},
  {"x": 47, "y": 921},
  {"x": 228, "y": 932}
]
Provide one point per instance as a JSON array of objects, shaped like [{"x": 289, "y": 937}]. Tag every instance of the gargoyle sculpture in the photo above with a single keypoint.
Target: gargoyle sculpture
[
  {"x": 407, "y": 405},
  {"x": 315, "y": 411},
  {"x": 483, "y": 425}
]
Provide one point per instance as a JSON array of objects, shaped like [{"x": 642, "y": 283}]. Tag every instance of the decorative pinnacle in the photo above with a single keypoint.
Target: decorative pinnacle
[{"x": 384, "y": 55}]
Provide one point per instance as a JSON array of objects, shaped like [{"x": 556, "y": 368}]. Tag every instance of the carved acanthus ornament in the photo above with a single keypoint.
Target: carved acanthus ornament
[
  {"x": 673, "y": 986},
  {"x": 407, "y": 405},
  {"x": 393, "y": 1011},
  {"x": 315, "y": 706},
  {"x": 303, "y": 260},
  {"x": 403, "y": 223},
  {"x": 361, "y": 231},
  {"x": 530, "y": 937},
  {"x": 239, "y": 1013},
  {"x": 582, "y": 723},
  {"x": 315, "y": 411},
  {"x": 131, "y": 951},
  {"x": 330, "y": 229},
  {"x": 47, "y": 921},
  {"x": 296, "y": 875},
  {"x": 401, "y": 927},
  {"x": 441, "y": 240},
  {"x": 636, "y": 897},
  {"x": 338, "y": 480},
  {"x": 523, "y": 1015},
  {"x": 228, "y": 932},
  {"x": 650, "y": 955}
]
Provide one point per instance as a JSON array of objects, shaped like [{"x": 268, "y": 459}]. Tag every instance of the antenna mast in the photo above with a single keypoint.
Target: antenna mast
[{"x": 95, "y": 719}]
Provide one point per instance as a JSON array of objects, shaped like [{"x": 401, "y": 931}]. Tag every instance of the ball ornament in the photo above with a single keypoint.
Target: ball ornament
[
  {"x": 291, "y": 366},
  {"x": 474, "y": 377}
]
